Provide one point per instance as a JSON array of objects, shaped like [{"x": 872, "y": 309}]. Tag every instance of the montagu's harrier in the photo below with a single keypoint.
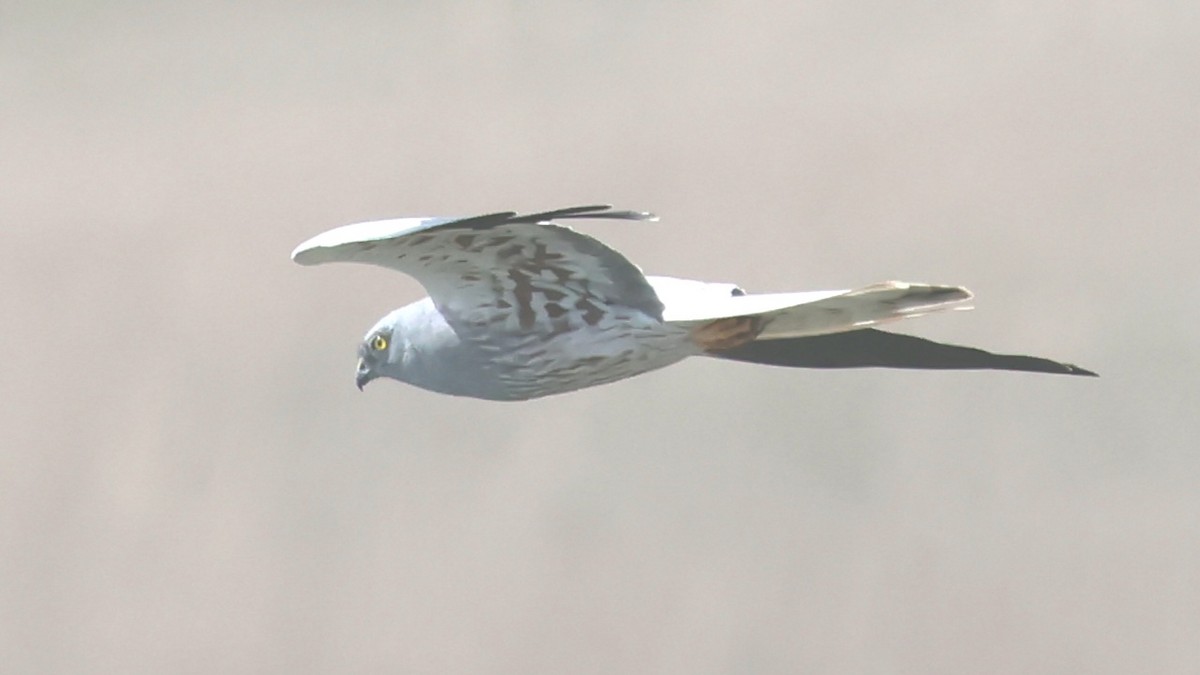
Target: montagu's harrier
[{"x": 521, "y": 307}]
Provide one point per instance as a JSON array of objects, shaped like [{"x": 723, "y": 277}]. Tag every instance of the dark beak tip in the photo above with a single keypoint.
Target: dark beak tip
[{"x": 362, "y": 375}]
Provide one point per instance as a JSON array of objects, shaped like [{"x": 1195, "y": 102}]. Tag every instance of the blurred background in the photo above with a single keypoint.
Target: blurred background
[{"x": 190, "y": 483}]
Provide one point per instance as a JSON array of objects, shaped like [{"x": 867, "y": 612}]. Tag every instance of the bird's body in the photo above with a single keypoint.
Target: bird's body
[
  {"x": 511, "y": 365},
  {"x": 521, "y": 307}
]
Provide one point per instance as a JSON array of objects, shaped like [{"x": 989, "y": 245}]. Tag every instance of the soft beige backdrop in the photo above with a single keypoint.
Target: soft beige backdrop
[{"x": 189, "y": 482}]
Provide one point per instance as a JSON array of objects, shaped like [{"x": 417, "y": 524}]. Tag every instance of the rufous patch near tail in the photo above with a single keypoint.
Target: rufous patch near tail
[{"x": 736, "y": 331}]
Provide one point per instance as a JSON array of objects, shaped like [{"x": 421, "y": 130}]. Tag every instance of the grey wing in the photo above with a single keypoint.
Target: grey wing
[
  {"x": 870, "y": 348},
  {"x": 504, "y": 270}
]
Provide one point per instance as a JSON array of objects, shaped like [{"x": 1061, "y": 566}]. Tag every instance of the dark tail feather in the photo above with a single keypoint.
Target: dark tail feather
[{"x": 870, "y": 348}]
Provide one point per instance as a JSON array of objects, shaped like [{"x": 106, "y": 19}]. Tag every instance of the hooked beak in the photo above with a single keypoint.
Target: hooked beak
[{"x": 363, "y": 376}]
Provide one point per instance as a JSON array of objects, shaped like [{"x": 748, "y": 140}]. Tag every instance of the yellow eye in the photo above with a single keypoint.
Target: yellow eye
[{"x": 379, "y": 343}]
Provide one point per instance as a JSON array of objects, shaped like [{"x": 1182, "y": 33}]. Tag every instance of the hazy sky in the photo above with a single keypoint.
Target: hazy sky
[{"x": 190, "y": 483}]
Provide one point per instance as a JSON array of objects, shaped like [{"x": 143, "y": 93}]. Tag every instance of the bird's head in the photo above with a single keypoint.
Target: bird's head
[{"x": 380, "y": 352}]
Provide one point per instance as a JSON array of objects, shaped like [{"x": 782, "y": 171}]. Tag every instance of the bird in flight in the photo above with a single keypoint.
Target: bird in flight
[{"x": 521, "y": 307}]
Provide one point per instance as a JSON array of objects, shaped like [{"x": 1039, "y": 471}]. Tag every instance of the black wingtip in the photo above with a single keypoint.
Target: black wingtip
[
  {"x": 592, "y": 211},
  {"x": 490, "y": 220}
]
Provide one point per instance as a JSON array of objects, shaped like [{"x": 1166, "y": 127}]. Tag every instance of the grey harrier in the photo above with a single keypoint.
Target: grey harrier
[{"x": 521, "y": 307}]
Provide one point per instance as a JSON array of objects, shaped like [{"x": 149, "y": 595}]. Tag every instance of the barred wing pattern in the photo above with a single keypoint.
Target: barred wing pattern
[{"x": 501, "y": 272}]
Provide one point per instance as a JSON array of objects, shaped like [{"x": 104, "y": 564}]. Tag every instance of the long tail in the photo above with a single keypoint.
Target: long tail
[{"x": 871, "y": 348}]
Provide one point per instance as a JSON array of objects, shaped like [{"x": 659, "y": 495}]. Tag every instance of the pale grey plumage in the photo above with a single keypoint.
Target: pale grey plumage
[{"x": 521, "y": 307}]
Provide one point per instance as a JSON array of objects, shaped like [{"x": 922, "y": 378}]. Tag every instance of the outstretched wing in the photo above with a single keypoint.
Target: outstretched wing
[
  {"x": 694, "y": 305},
  {"x": 520, "y": 272},
  {"x": 870, "y": 348},
  {"x": 827, "y": 329}
]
